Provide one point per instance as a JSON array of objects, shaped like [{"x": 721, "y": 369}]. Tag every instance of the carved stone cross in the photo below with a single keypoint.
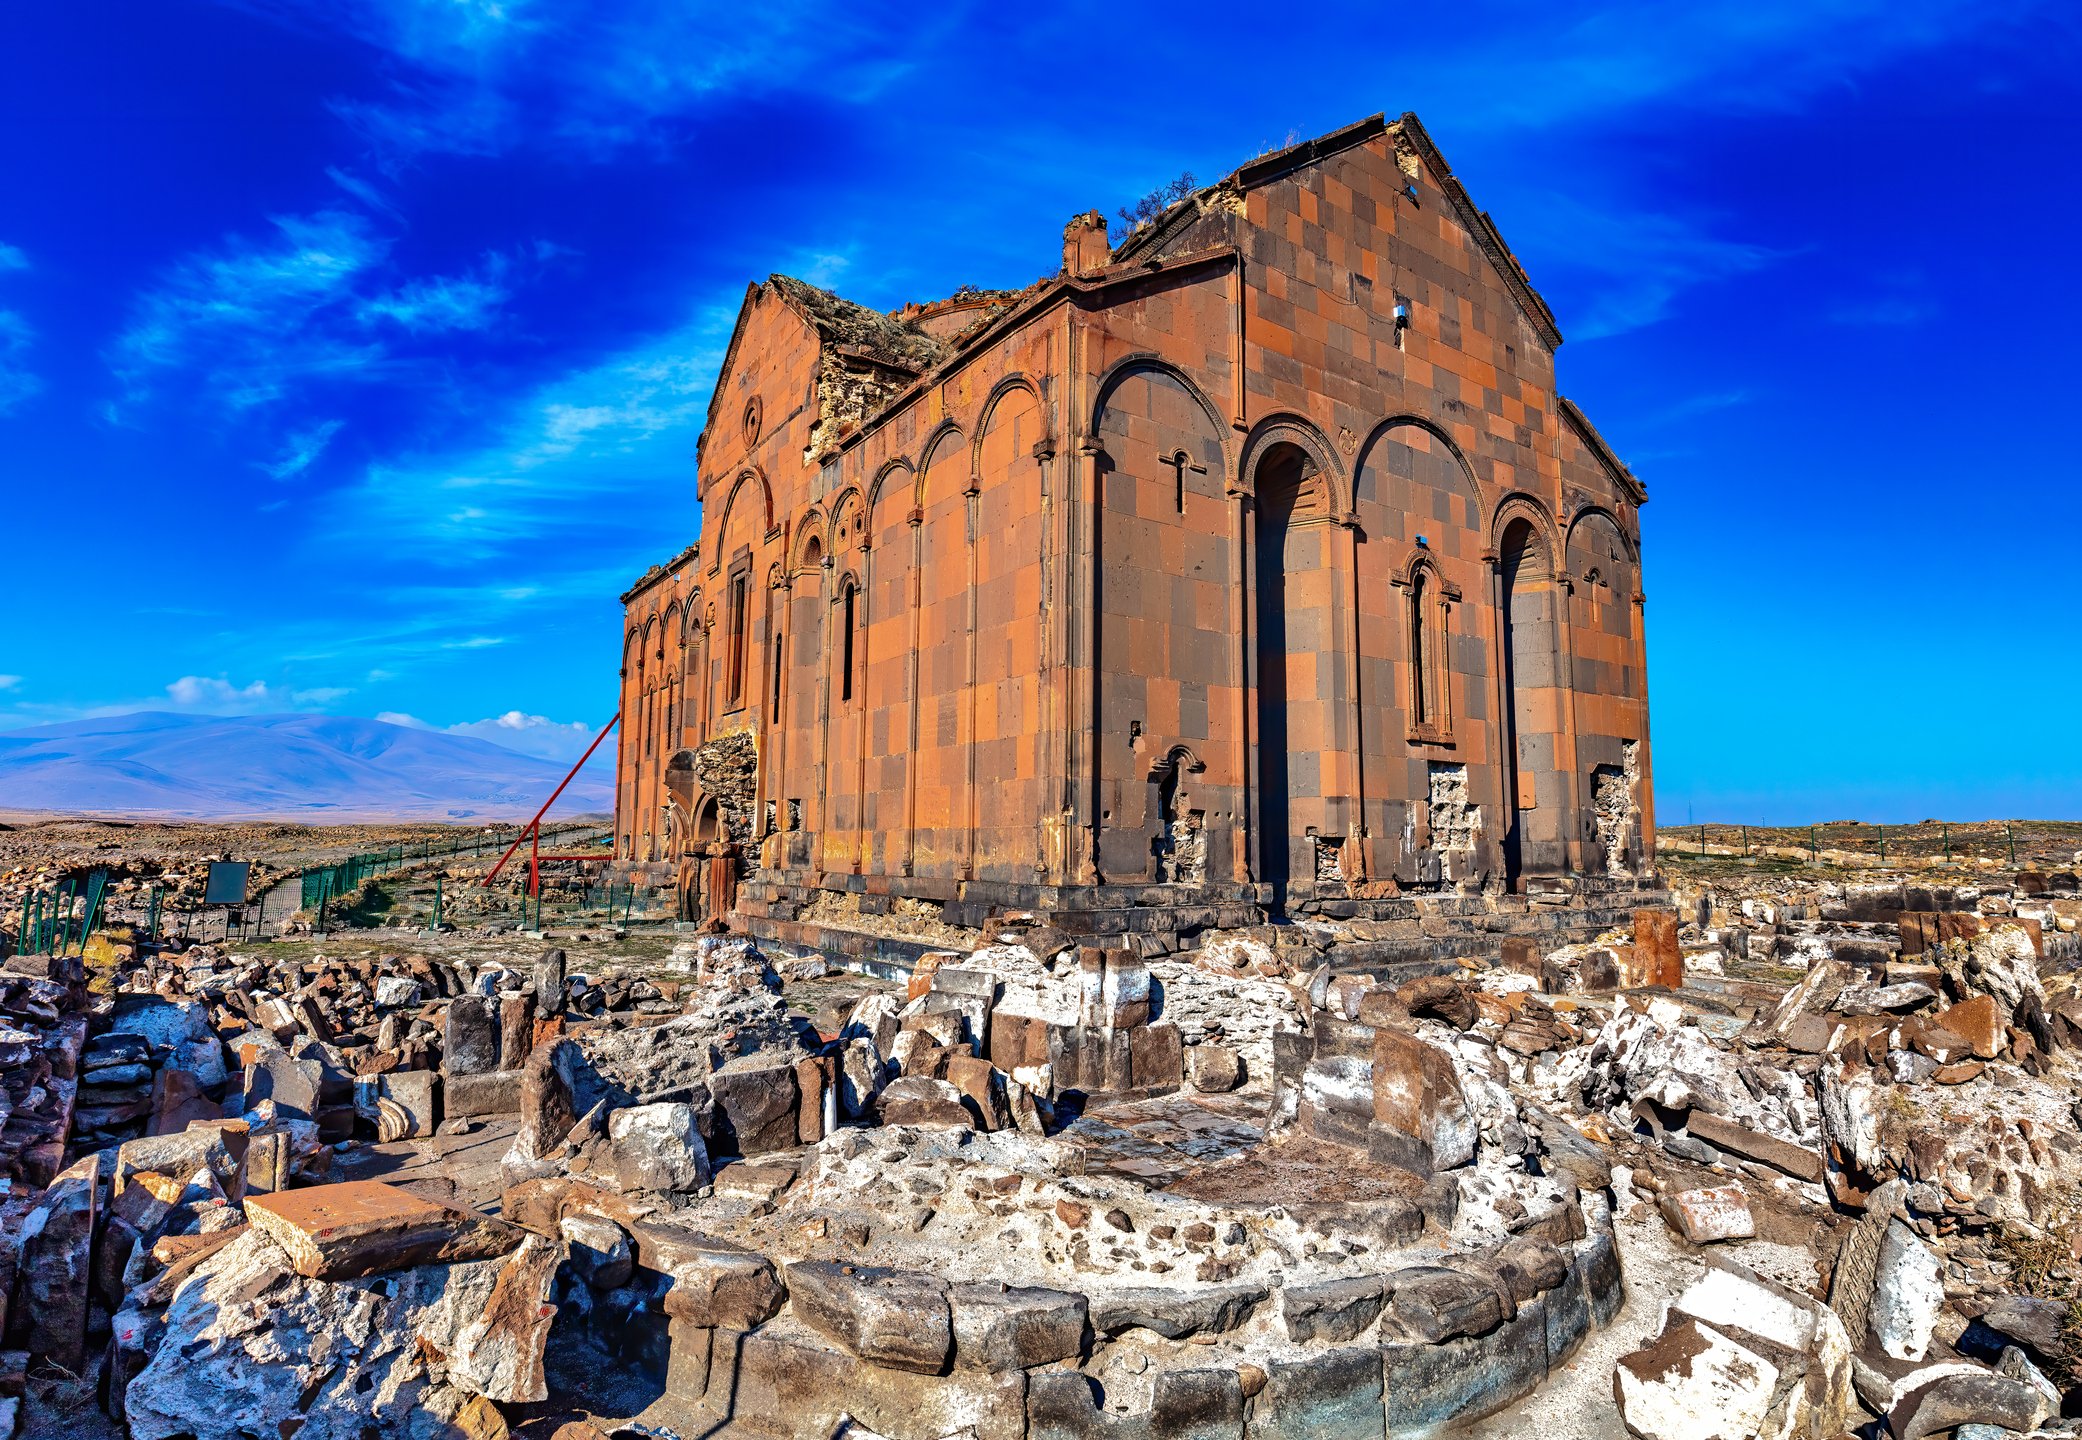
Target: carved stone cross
[{"x": 1180, "y": 463}]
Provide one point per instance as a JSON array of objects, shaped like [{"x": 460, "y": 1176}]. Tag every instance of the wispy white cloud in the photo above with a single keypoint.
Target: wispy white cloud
[
  {"x": 216, "y": 695},
  {"x": 567, "y": 457},
  {"x": 536, "y": 735},
  {"x": 17, "y": 381},
  {"x": 1728, "y": 55},
  {"x": 10, "y": 682},
  {"x": 440, "y": 302},
  {"x": 476, "y": 77},
  {"x": 12, "y": 258},
  {"x": 304, "y": 447},
  {"x": 260, "y": 320},
  {"x": 1630, "y": 265}
]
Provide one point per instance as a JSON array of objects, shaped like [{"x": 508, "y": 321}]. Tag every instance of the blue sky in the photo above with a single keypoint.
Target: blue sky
[{"x": 352, "y": 352}]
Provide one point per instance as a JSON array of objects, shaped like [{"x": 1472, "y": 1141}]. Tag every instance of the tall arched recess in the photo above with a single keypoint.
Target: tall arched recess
[
  {"x": 1007, "y": 762},
  {"x": 1415, "y": 499},
  {"x": 940, "y": 631},
  {"x": 1536, "y": 789},
  {"x": 1166, "y": 657},
  {"x": 1612, "y": 716}
]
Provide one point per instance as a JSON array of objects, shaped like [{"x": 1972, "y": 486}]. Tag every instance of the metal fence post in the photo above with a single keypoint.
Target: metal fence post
[{"x": 2011, "y": 831}]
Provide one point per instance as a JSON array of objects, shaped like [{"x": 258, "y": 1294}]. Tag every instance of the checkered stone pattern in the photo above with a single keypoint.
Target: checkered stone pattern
[{"x": 1263, "y": 515}]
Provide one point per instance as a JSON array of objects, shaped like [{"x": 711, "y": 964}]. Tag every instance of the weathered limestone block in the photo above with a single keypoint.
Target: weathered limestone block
[
  {"x": 814, "y": 1078},
  {"x": 1423, "y": 1385},
  {"x": 1156, "y": 1057},
  {"x": 1336, "y": 1099},
  {"x": 599, "y": 1250},
  {"x": 787, "y": 1381},
  {"x": 549, "y": 983},
  {"x": 489, "y": 1092},
  {"x": 897, "y": 1318},
  {"x": 1656, "y": 959},
  {"x": 1000, "y": 1327},
  {"x": 1113, "y": 989},
  {"x": 657, "y": 1147},
  {"x": 1692, "y": 1371},
  {"x": 52, "y": 1279},
  {"x": 293, "y": 1085},
  {"x": 218, "y": 1146},
  {"x": 1435, "y": 1304},
  {"x": 1333, "y": 1310},
  {"x": 364, "y": 1227},
  {"x": 516, "y": 1029},
  {"x": 1954, "y": 1400},
  {"x": 716, "y": 1285},
  {"x": 978, "y": 1081},
  {"x": 861, "y": 1077},
  {"x": 1176, "y": 1313},
  {"x": 919, "y": 1100},
  {"x": 1748, "y": 1308},
  {"x": 1184, "y": 1405},
  {"x": 1333, "y": 1393},
  {"x": 1908, "y": 1290},
  {"x": 418, "y": 1094},
  {"x": 755, "y": 1109},
  {"x": 227, "y": 1366},
  {"x": 1214, "y": 1069},
  {"x": 1796, "y": 1160},
  {"x": 395, "y": 991},
  {"x": 1718, "y": 1212},
  {"x": 470, "y": 1036},
  {"x": 549, "y": 1098},
  {"x": 1422, "y": 1121}
]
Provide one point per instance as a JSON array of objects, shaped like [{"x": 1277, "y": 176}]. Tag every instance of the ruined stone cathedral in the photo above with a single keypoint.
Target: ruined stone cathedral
[{"x": 1253, "y": 565}]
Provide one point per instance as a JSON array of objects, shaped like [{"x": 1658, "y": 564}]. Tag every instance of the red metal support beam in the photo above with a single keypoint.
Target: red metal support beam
[{"x": 533, "y": 829}]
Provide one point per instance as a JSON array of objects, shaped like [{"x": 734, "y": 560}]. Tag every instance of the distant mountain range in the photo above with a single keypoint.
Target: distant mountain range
[{"x": 298, "y": 767}]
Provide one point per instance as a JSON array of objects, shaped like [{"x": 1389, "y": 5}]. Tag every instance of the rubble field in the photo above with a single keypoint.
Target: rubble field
[{"x": 1798, "y": 1158}]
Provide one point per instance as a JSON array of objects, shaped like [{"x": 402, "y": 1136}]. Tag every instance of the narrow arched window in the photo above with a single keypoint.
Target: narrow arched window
[
  {"x": 1431, "y": 710},
  {"x": 1420, "y": 658},
  {"x": 846, "y": 628}
]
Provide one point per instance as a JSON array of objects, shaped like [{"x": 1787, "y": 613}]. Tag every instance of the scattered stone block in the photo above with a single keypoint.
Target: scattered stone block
[
  {"x": 755, "y": 1109},
  {"x": 1421, "y": 1120},
  {"x": 477, "y": 1094},
  {"x": 1015, "y": 1327},
  {"x": 1693, "y": 1374},
  {"x": 720, "y": 1286},
  {"x": 897, "y": 1318},
  {"x": 1656, "y": 959},
  {"x": 1908, "y": 1290},
  {"x": 657, "y": 1147},
  {"x": 1332, "y": 1310},
  {"x": 55, "y": 1267},
  {"x": 364, "y": 1227},
  {"x": 921, "y": 1100},
  {"x": 1710, "y": 1214},
  {"x": 417, "y": 1094},
  {"x": 470, "y": 1036},
  {"x": 599, "y": 1251},
  {"x": 1213, "y": 1069}
]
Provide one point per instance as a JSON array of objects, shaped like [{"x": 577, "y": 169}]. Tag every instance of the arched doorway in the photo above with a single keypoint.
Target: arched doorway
[{"x": 1532, "y": 794}]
